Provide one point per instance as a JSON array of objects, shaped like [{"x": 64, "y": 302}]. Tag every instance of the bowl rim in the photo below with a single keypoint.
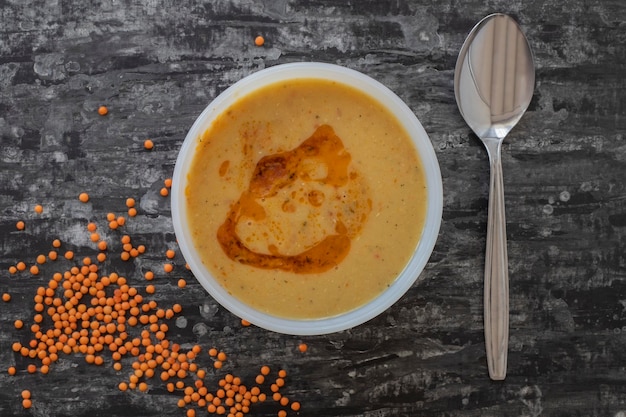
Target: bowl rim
[{"x": 416, "y": 264}]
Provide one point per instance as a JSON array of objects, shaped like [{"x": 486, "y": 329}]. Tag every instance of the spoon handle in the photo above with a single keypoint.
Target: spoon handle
[{"x": 496, "y": 270}]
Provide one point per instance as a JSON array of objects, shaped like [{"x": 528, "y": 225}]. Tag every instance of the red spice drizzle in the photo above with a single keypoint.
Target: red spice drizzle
[{"x": 277, "y": 171}]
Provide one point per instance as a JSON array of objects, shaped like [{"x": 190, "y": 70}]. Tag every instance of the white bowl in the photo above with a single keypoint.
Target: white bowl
[{"x": 425, "y": 244}]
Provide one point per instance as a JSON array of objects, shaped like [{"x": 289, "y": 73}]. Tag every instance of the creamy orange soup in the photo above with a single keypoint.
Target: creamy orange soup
[{"x": 306, "y": 199}]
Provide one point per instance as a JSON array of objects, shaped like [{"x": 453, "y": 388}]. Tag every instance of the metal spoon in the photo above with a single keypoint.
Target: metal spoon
[{"x": 494, "y": 81}]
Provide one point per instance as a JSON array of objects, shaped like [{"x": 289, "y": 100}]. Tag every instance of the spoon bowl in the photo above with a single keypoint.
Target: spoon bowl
[{"x": 494, "y": 80}]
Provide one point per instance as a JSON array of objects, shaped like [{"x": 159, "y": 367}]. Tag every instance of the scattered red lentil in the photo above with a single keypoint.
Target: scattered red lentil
[
  {"x": 100, "y": 316},
  {"x": 259, "y": 41},
  {"x": 20, "y": 225},
  {"x": 148, "y": 144},
  {"x": 6, "y": 297},
  {"x": 83, "y": 197},
  {"x": 103, "y": 110},
  {"x": 302, "y": 347},
  {"x": 245, "y": 323},
  {"x": 38, "y": 209},
  {"x": 164, "y": 192}
]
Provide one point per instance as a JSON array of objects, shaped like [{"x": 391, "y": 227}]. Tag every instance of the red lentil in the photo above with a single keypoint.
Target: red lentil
[{"x": 96, "y": 315}]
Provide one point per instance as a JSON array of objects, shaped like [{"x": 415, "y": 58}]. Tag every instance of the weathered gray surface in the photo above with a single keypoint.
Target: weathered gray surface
[{"x": 158, "y": 65}]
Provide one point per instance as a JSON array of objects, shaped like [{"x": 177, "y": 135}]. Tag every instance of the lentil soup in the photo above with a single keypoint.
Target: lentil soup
[{"x": 306, "y": 198}]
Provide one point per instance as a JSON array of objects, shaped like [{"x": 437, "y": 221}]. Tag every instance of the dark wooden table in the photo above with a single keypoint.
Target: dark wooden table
[{"x": 156, "y": 66}]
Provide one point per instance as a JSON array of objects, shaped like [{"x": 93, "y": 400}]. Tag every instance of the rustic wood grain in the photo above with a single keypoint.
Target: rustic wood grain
[{"x": 156, "y": 65}]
